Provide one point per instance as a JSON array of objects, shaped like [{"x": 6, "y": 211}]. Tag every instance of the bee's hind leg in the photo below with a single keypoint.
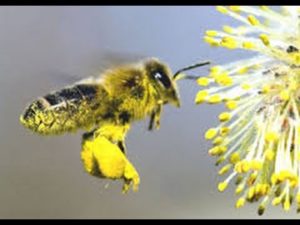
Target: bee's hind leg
[{"x": 122, "y": 146}]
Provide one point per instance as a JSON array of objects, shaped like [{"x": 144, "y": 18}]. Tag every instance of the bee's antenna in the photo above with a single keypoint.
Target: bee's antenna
[{"x": 177, "y": 77}]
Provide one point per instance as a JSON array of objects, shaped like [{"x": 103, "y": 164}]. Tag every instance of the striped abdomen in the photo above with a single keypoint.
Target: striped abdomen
[{"x": 65, "y": 110}]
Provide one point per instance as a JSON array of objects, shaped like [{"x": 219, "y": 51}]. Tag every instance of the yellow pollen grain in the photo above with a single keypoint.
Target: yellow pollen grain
[
  {"x": 224, "y": 131},
  {"x": 271, "y": 136},
  {"x": 215, "y": 69},
  {"x": 253, "y": 20},
  {"x": 213, "y": 42},
  {"x": 203, "y": 81},
  {"x": 251, "y": 192},
  {"x": 243, "y": 70},
  {"x": 222, "y": 149},
  {"x": 222, "y": 186},
  {"x": 239, "y": 189},
  {"x": 222, "y": 9},
  {"x": 284, "y": 95},
  {"x": 211, "y": 33},
  {"x": 234, "y": 158},
  {"x": 245, "y": 166},
  {"x": 269, "y": 153},
  {"x": 224, "y": 169},
  {"x": 246, "y": 86},
  {"x": 201, "y": 96},
  {"x": 255, "y": 165},
  {"x": 231, "y": 104},
  {"x": 265, "y": 89},
  {"x": 214, "y": 151},
  {"x": 276, "y": 201},
  {"x": 235, "y": 8},
  {"x": 225, "y": 116},
  {"x": 229, "y": 42},
  {"x": 265, "y": 39},
  {"x": 264, "y": 8},
  {"x": 248, "y": 45},
  {"x": 214, "y": 99},
  {"x": 218, "y": 140},
  {"x": 223, "y": 79},
  {"x": 228, "y": 29},
  {"x": 210, "y": 133},
  {"x": 240, "y": 203}
]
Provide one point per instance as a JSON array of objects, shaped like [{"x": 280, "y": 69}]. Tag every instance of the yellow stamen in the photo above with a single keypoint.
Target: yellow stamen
[
  {"x": 225, "y": 116},
  {"x": 211, "y": 133},
  {"x": 253, "y": 20},
  {"x": 222, "y": 186},
  {"x": 201, "y": 96}
]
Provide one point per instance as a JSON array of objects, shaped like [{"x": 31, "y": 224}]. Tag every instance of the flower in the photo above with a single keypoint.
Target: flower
[{"x": 258, "y": 138}]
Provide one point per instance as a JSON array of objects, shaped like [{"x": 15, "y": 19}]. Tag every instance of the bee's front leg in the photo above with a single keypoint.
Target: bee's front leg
[{"x": 155, "y": 117}]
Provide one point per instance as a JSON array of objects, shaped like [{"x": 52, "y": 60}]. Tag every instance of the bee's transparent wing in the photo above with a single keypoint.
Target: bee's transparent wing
[{"x": 98, "y": 66}]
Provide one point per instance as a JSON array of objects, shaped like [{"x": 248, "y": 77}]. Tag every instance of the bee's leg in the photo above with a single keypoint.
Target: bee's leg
[
  {"x": 150, "y": 127},
  {"x": 155, "y": 118},
  {"x": 122, "y": 146}
]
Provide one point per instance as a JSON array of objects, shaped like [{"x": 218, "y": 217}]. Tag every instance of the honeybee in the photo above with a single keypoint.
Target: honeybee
[{"x": 106, "y": 106}]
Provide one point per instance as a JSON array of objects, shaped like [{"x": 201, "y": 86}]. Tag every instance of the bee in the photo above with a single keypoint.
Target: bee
[{"x": 107, "y": 105}]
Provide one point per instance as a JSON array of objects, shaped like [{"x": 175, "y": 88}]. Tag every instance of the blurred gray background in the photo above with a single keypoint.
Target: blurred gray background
[{"x": 42, "y": 48}]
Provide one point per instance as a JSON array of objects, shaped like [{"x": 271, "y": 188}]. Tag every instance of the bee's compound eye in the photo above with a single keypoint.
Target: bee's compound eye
[
  {"x": 157, "y": 76},
  {"x": 162, "y": 78}
]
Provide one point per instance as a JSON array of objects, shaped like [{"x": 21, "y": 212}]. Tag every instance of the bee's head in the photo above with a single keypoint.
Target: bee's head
[{"x": 160, "y": 76}]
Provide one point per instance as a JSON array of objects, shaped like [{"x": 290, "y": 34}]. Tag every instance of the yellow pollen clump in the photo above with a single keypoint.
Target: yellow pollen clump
[
  {"x": 243, "y": 70},
  {"x": 210, "y": 133},
  {"x": 264, "y": 8},
  {"x": 256, "y": 165},
  {"x": 203, "y": 81},
  {"x": 239, "y": 188},
  {"x": 218, "y": 140},
  {"x": 224, "y": 169},
  {"x": 265, "y": 89},
  {"x": 224, "y": 131},
  {"x": 231, "y": 104},
  {"x": 248, "y": 45},
  {"x": 240, "y": 203},
  {"x": 201, "y": 96},
  {"x": 276, "y": 201},
  {"x": 284, "y": 95},
  {"x": 234, "y": 8},
  {"x": 246, "y": 86},
  {"x": 271, "y": 136},
  {"x": 265, "y": 39},
  {"x": 234, "y": 158},
  {"x": 225, "y": 116},
  {"x": 229, "y": 42},
  {"x": 223, "y": 79},
  {"x": 269, "y": 153},
  {"x": 222, "y": 9},
  {"x": 214, "y": 99},
  {"x": 228, "y": 29},
  {"x": 222, "y": 186},
  {"x": 211, "y": 41},
  {"x": 215, "y": 69},
  {"x": 211, "y": 33},
  {"x": 253, "y": 20}
]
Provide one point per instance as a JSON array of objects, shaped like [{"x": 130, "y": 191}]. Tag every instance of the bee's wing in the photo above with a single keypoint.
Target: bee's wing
[
  {"x": 98, "y": 65},
  {"x": 114, "y": 59}
]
